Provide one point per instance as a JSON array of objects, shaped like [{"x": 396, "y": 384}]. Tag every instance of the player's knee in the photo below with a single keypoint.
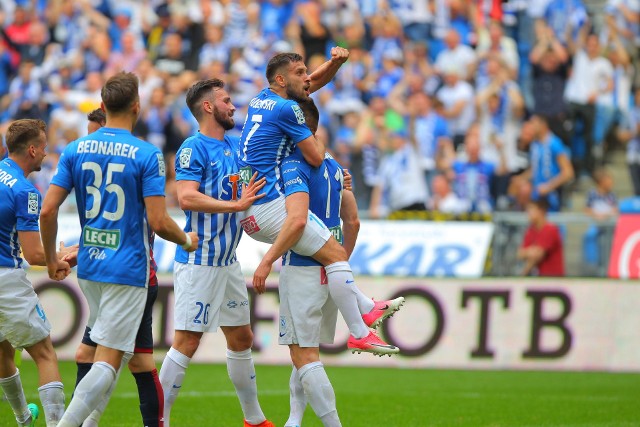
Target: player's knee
[
  {"x": 331, "y": 252},
  {"x": 141, "y": 362},
  {"x": 187, "y": 342},
  {"x": 301, "y": 356},
  {"x": 42, "y": 352},
  {"x": 84, "y": 354},
  {"x": 240, "y": 340}
]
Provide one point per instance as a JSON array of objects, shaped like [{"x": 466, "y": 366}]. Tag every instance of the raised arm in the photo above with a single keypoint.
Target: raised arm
[{"x": 324, "y": 73}]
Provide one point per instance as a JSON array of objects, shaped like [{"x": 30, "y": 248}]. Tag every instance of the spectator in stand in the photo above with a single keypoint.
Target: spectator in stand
[
  {"x": 493, "y": 42},
  {"x": 398, "y": 166},
  {"x": 566, "y": 18},
  {"x": 443, "y": 199},
  {"x": 458, "y": 106},
  {"x": 541, "y": 248},
  {"x": 129, "y": 56},
  {"x": 623, "y": 17},
  {"x": 520, "y": 192},
  {"x": 157, "y": 118},
  {"x": 214, "y": 48},
  {"x": 391, "y": 72},
  {"x": 66, "y": 124},
  {"x": 472, "y": 177},
  {"x": 550, "y": 62},
  {"x": 34, "y": 49},
  {"x": 455, "y": 55},
  {"x": 308, "y": 28},
  {"x": 415, "y": 16},
  {"x": 172, "y": 60},
  {"x": 24, "y": 94},
  {"x": 630, "y": 134},
  {"x": 602, "y": 202},
  {"x": 591, "y": 82},
  {"x": 550, "y": 163},
  {"x": 622, "y": 84}
]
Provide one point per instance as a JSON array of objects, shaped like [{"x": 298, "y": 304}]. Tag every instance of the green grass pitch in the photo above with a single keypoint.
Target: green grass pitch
[{"x": 374, "y": 397}]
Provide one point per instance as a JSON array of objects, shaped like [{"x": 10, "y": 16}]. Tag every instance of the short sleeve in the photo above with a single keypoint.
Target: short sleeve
[
  {"x": 558, "y": 148},
  {"x": 28, "y": 202},
  {"x": 296, "y": 176},
  {"x": 153, "y": 174},
  {"x": 441, "y": 128},
  {"x": 291, "y": 121},
  {"x": 190, "y": 163},
  {"x": 63, "y": 176}
]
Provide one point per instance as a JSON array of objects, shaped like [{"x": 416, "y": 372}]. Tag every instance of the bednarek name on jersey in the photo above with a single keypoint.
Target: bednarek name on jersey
[
  {"x": 19, "y": 211},
  {"x": 113, "y": 172},
  {"x": 272, "y": 129},
  {"x": 324, "y": 186},
  {"x": 213, "y": 164}
]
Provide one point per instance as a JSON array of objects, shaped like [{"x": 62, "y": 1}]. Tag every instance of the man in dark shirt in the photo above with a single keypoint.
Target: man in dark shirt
[{"x": 541, "y": 248}]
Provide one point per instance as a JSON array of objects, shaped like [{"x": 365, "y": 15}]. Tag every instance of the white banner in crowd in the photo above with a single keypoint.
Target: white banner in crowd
[
  {"x": 391, "y": 248},
  {"x": 480, "y": 324}
]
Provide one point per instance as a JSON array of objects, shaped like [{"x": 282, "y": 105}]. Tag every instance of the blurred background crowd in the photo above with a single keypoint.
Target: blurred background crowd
[{"x": 453, "y": 106}]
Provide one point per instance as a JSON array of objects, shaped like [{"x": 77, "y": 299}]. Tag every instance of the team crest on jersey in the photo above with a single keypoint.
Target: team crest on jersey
[
  {"x": 299, "y": 114},
  {"x": 185, "y": 158},
  {"x": 161, "y": 168},
  {"x": 32, "y": 204}
]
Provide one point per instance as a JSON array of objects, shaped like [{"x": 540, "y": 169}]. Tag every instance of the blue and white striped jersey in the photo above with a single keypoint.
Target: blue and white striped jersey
[
  {"x": 272, "y": 129},
  {"x": 113, "y": 171},
  {"x": 19, "y": 211},
  {"x": 213, "y": 164},
  {"x": 324, "y": 186}
]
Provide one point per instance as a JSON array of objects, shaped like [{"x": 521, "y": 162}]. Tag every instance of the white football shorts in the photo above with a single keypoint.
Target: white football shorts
[
  {"x": 207, "y": 297},
  {"x": 264, "y": 222},
  {"x": 22, "y": 320},
  {"x": 308, "y": 315},
  {"x": 115, "y": 313}
]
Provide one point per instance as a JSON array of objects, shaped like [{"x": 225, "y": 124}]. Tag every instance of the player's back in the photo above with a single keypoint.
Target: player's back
[
  {"x": 19, "y": 211},
  {"x": 113, "y": 172},
  {"x": 272, "y": 129},
  {"x": 324, "y": 186}
]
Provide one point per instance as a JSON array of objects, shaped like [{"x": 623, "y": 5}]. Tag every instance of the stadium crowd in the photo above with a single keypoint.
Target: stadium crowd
[{"x": 455, "y": 106}]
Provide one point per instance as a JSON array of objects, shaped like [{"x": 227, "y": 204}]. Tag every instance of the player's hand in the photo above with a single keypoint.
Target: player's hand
[
  {"x": 58, "y": 270},
  {"x": 347, "y": 180},
  {"x": 260, "y": 277},
  {"x": 543, "y": 189},
  {"x": 69, "y": 254},
  {"x": 194, "y": 241},
  {"x": 339, "y": 55},
  {"x": 249, "y": 192}
]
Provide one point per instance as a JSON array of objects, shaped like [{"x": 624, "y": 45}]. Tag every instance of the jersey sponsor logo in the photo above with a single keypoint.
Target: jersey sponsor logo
[
  {"x": 108, "y": 239},
  {"x": 337, "y": 233},
  {"x": 245, "y": 174},
  {"x": 299, "y": 114},
  {"x": 97, "y": 254},
  {"x": 161, "y": 167},
  {"x": 185, "y": 158},
  {"x": 295, "y": 180},
  {"x": 32, "y": 203},
  {"x": 249, "y": 225},
  {"x": 230, "y": 185},
  {"x": 7, "y": 179},
  {"x": 107, "y": 148}
]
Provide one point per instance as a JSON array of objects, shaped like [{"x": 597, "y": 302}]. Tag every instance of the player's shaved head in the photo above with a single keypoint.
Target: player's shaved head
[
  {"x": 311, "y": 114},
  {"x": 23, "y": 133},
  {"x": 120, "y": 92},
  {"x": 198, "y": 92},
  {"x": 280, "y": 60}
]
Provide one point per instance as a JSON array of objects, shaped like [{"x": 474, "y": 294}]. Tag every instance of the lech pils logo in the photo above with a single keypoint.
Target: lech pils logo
[
  {"x": 161, "y": 169},
  {"x": 109, "y": 239},
  {"x": 185, "y": 158},
  {"x": 32, "y": 205}
]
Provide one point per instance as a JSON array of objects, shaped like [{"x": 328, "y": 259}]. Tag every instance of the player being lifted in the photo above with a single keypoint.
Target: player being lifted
[
  {"x": 120, "y": 183},
  {"x": 210, "y": 290},
  {"x": 275, "y": 128},
  {"x": 23, "y": 323},
  {"x": 142, "y": 364}
]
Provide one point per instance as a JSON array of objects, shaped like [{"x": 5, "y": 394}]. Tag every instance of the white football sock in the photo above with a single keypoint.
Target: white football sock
[
  {"x": 297, "y": 400},
  {"x": 12, "y": 387},
  {"x": 341, "y": 288},
  {"x": 365, "y": 303},
  {"x": 171, "y": 376},
  {"x": 243, "y": 376},
  {"x": 94, "y": 418},
  {"x": 52, "y": 399},
  {"x": 88, "y": 394},
  {"x": 319, "y": 391}
]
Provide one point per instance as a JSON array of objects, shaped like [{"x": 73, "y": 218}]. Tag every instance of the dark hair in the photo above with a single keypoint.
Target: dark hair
[
  {"x": 311, "y": 114},
  {"x": 97, "y": 116},
  {"x": 542, "y": 117},
  {"x": 22, "y": 132},
  {"x": 280, "y": 60},
  {"x": 541, "y": 203},
  {"x": 197, "y": 92},
  {"x": 120, "y": 92}
]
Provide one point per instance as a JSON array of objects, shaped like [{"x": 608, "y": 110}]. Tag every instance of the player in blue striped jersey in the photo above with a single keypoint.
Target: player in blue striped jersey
[
  {"x": 275, "y": 126},
  {"x": 210, "y": 290},
  {"x": 307, "y": 314},
  {"x": 119, "y": 181},
  {"x": 23, "y": 323}
]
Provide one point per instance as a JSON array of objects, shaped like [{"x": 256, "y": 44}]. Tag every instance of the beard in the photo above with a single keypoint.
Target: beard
[
  {"x": 296, "y": 96},
  {"x": 223, "y": 120}
]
